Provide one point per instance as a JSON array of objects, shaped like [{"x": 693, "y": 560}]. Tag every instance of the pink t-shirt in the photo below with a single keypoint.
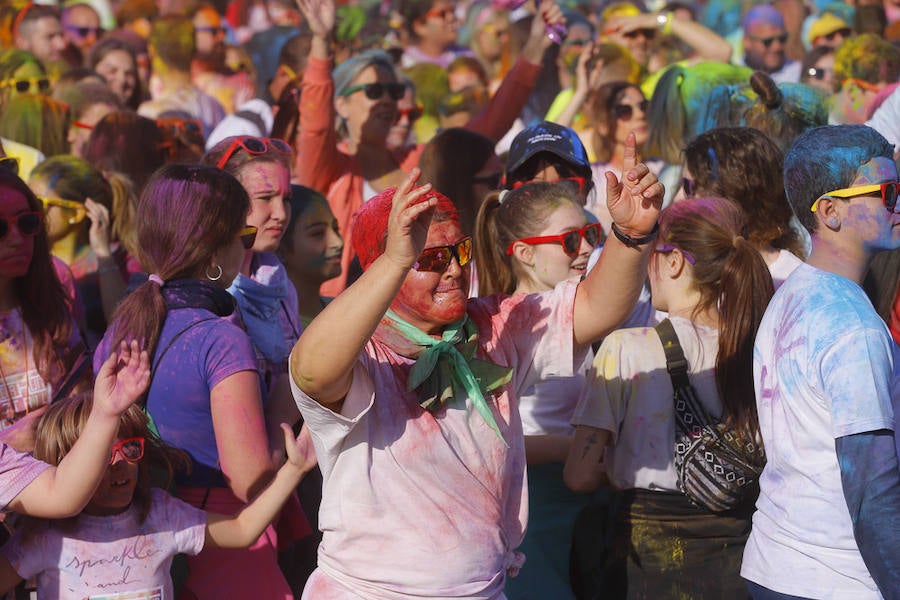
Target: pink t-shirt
[
  {"x": 17, "y": 470},
  {"x": 416, "y": 504},
  {"x": 109, "y": 558}
]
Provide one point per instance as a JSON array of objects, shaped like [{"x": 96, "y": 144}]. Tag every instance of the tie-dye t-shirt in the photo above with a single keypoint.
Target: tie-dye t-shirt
[
  {"x": 432, "y": 505},
  {"x": 824, "y": 367},
  {"x": 109, "y": 558}
]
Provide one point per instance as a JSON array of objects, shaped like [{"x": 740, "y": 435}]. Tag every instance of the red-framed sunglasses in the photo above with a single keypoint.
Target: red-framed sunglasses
[
  {"x": 28, "y": 223},
  {"x": 578, "y": 181},
  {"x": 130, "y": 449},
  {"x": 438, "y": 258},
  {"x": 569, "y": 240},
  {"x": 255, "y": 146}
]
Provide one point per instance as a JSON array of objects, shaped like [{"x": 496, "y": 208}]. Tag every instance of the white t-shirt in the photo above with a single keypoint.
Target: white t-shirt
[
  {"x": 422, "y": 505},
  {"x": 630, "y": 394},
  {"x": 783, "y": 266},
  {"x": 824, "y": 366},
  {"x": 111, "y": 557}
]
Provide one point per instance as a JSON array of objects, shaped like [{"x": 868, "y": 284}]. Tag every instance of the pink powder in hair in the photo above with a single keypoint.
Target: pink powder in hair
[{"x": 370, "y": 222}]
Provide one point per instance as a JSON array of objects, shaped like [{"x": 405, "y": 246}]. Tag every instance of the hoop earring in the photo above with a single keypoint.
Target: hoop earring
[{"x": 218, "y": 275}]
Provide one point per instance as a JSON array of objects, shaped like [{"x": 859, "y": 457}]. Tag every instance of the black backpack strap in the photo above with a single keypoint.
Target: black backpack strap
[
  {"x": 676, "y": 363},
  {"x": 143, "y": 401}
]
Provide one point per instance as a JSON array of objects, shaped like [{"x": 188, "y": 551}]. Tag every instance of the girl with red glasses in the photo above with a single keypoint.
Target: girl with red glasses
[
  {"x": 530, "y": 240},
  {"x": 126, "y": 537}
]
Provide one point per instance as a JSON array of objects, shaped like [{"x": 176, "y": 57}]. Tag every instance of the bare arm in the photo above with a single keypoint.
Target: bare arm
[
  {"x": 608, "y": 294},
  {"x": 705, "y": 42},
  {"x": 244, "y": 528},
  {"x": 579, "y": 94},
  {"x": 585, "y": 468},
  {"x": 322, "y": 361},
  {"x": 240, "y": 428},
  {"x": 64, "y": 491}
]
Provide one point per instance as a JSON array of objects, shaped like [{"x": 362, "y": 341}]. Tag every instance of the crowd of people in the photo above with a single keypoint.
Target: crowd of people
[{"x": 345, "y": 299}]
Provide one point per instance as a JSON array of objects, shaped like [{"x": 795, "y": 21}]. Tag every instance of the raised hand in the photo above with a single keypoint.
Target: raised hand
[
  {"x": 98, "y": 234},
  {"x": 122, "y": 379},
  {"x": 409, "y": 221},
  {"x": 319, "y": 15},
  {"x": 634, "y": 203},
  {"x": 300, "y": 451}
]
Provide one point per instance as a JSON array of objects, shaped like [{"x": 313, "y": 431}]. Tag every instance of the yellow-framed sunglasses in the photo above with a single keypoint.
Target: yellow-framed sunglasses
[
  {"x": 889, "y": 191},
  {"x": 70, "y": 204}
]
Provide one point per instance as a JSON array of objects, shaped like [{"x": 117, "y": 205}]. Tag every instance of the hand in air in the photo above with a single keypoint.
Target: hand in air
[
  {"x": 319, "y": 16},
  {"x": 635, "y": 201},
  {"x": 409, "y": 221},
  {"x": 122, "y": 379}
]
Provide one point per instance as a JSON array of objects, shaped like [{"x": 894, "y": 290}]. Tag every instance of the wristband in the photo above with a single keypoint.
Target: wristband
[
  {"x": 664, "y": 22},
  {"x": 635, "y": 242}
]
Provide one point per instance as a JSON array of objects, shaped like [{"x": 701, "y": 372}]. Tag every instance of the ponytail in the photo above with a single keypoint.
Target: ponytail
[
  {"x": 733, "y": 279},
  {"x": 495, "y": 274},
  {"x": 746, "y": 288}
]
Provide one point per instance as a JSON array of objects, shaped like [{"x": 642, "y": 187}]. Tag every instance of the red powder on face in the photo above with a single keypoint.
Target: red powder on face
[{"x": 370, "y": 223}]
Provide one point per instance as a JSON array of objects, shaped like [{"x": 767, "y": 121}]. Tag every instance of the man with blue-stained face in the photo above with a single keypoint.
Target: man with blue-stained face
[
  {"x": 765, "y": 44},
  {"x": 827, "y": 379}
]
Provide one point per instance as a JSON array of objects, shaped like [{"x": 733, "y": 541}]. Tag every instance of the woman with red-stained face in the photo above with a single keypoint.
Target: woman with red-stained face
[{"x": 411, "y": 392}]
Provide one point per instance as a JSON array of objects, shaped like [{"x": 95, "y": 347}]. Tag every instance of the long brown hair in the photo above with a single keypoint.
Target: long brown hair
[
  {"x": 185, "y": 214},
  {"x": 731, "y": 277},
  {"x": 62, "y": 424},
  {"x": 522, "y": 212},
  {"x": 46, "y": 308},
  {"x": 745, "y": 166}
]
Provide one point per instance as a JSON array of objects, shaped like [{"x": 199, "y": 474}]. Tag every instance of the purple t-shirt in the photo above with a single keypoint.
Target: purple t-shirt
[
  {"x": 179, "y": 399},
  {"x": 17, "y": 470}
]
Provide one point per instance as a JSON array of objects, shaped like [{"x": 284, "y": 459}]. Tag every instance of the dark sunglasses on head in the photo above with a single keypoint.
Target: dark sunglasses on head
[
  {"x": 254, "y": 146},
  {"x": 768, "y": 41},
  {"x": 10, "y": 164},
  {"x": 888, "y": 190},
  {"x": 624, "y": 112},
  {"x": 647, "y": 34},
  {"x": 131, "y": 449},
  {"x": 437, "y": 259},
  {"x": 569, "y": 240},
  {"x": 28, "y": 223},
  {"x": 818, "y": 73},
  {"x": 23, "y": 85},
  {"x": 376, "y": 91},
  {"x": 83, "y": 32},
  {"x": 248, "y": 236}
]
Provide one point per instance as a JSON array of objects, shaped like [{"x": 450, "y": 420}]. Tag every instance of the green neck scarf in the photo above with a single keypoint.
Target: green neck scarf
[{"x": 447, "y": 368}]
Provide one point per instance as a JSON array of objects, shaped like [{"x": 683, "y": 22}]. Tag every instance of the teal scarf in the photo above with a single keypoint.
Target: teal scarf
[{"x": 447, "y": 368}]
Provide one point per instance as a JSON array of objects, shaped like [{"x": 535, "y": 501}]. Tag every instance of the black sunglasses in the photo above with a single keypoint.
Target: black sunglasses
[
  {"x": 648, "y": 34},
  {"x": 376, "y": 91},
  {"x": 28, "y": 224},
  {"x": 625, "y": 112},
  {"x": 767, "y": 42},
  {"x": 844, "y": 33},
  {"x": 438, "y": 258},
  {"x": 83, "y": 32}
]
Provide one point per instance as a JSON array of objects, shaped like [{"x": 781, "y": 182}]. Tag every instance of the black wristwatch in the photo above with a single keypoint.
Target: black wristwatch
[{"x": 634, "y": 242}]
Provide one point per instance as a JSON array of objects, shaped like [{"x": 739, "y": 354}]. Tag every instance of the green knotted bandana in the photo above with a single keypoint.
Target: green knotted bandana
[{"x": 447, "y": 367}]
